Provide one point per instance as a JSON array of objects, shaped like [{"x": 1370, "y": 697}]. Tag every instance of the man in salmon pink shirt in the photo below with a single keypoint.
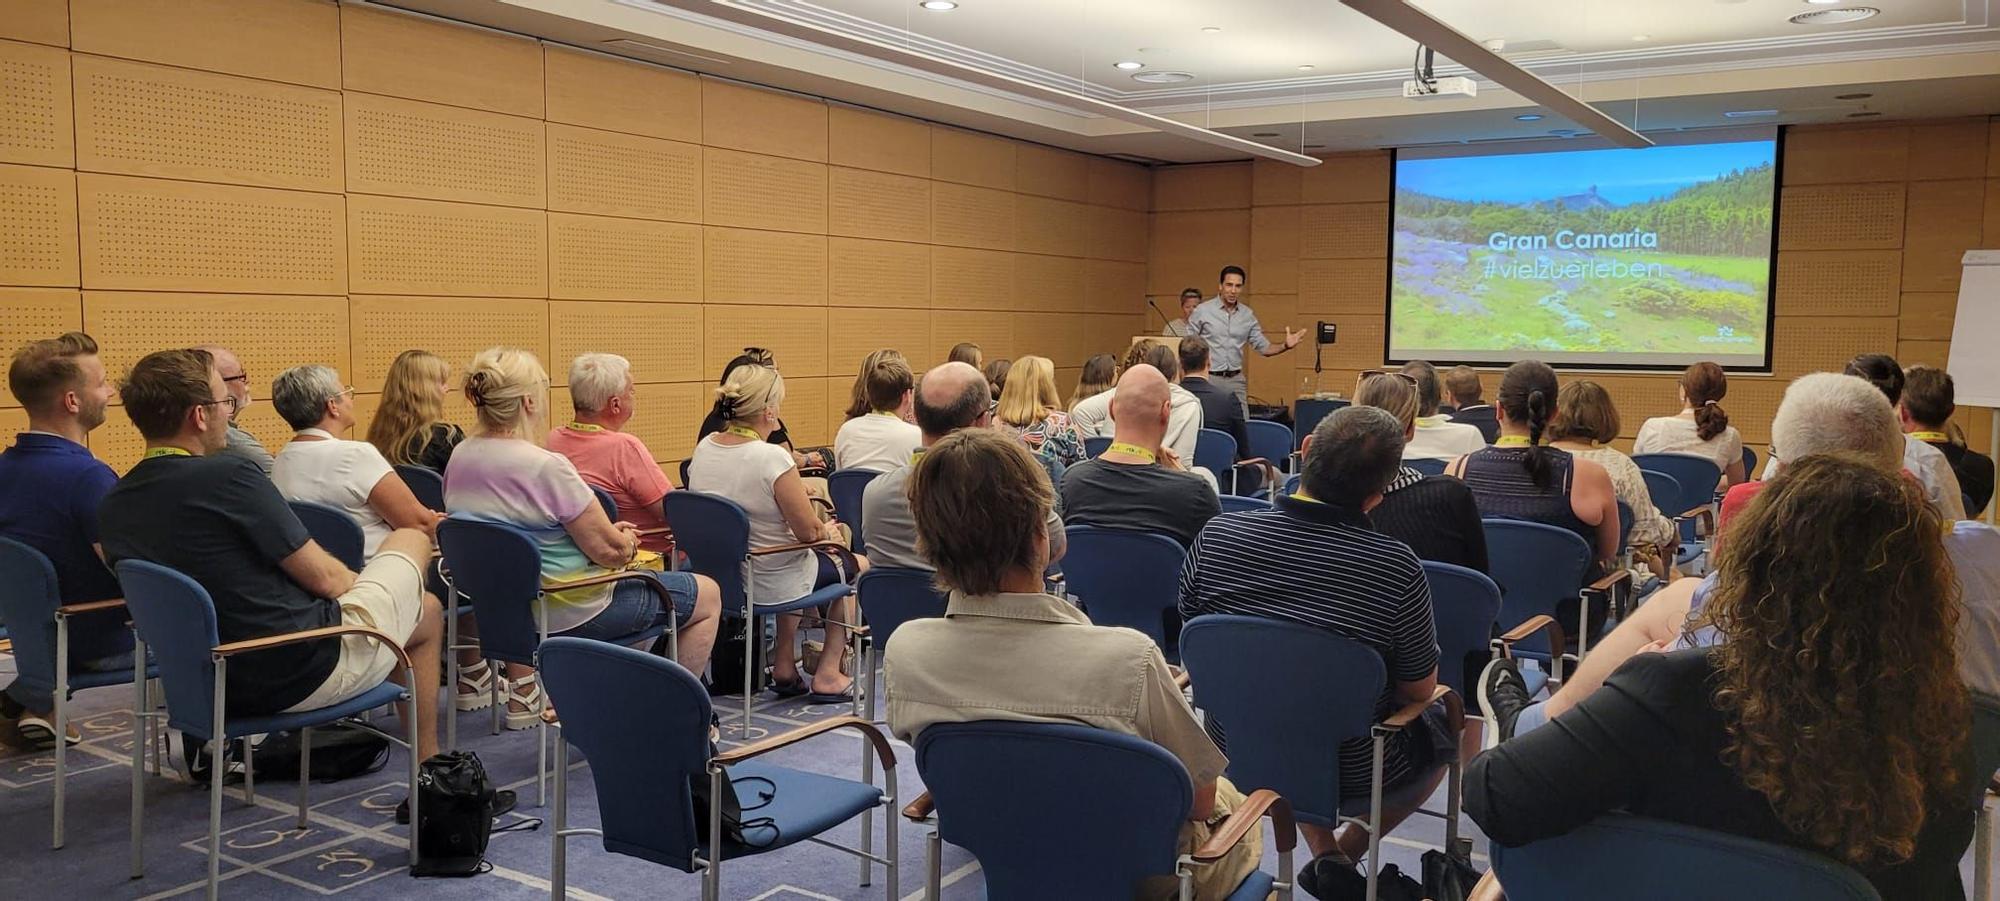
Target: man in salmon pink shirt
[{"x": 608, "y": 457}]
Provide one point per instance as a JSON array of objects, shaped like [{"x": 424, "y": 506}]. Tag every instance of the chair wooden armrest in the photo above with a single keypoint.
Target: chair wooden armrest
[
  {"x": 883, "y": 752},
  {"x": 1487, "y": 889},
  {"x": 662, "y": 530},
  {"x": 842, "y": 551},
  {"x": 1409, "y": 712},
  {"x": 820, "y": 502},
  {"x": 81, "y": 607},
  {"x": 1181, "y": 678},
  {"x": 1610, "y": 580},
  {"x": 1704, "y": 519},
  {"x": 920, "y": 809},
  {"x": 1533, "y": 624},
  {"x": 1243, "y": 821},
  {"x": 273, "y": 641}
]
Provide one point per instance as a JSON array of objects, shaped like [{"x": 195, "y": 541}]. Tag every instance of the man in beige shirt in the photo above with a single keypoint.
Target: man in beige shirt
[{"x": 1005, "y": 650}]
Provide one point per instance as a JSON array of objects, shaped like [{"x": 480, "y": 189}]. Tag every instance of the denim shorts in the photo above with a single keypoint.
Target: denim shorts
[{"x": 636, "y": 607}]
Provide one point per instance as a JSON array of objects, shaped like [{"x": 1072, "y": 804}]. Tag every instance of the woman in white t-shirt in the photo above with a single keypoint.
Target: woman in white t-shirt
[
  {"x": 878, "y": 435},
  {"x": 739, "y": 464},
  {"x": 351, "y": 476},
  {"x": 1701, "y": 427}
]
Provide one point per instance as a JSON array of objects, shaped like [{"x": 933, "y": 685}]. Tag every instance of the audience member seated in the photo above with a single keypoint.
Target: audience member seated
[
  {"x": 602, "y": 391},
  {"x": 503, "y": 474},
  {"x": 951, "y": 397},
  {"x": 966, "y": 352},
  {"x": 190, "y": 505},
  {"x": 50, "y": 487},
  {"x": 1926, "y": 408},
  {"x": 1179, "y": 328},
  {"x": 716, "y": 422},
  {"x": 1030, "y": 409},
  {"x": 1092, "y": 415},
  {"x": 1469, "y": 408},
  {"x": 877, "y": 435},
  {"x": 1585, "y": 424},
  {"x": 350, "y": 476},
  {"x": 1340, "y": 575},
  {"x": 241, "y": 442},
  {"x": 1100, "y": 372},
  {"x": 409, "y": 427},
  {"x": 739, "y": 463},
  {"x": 1521, "y": 478},
  {"x": 1437, "y": 437},
  {"x": 1826, "y": 718},
  {"x": 1005, "y": 650},
  {"x": 996, "y": 374},
  {"x": 1130, "y": 486},
  {"x": 1221, "y": 408},
  {"x": 1701, "y": 428},
  {"x": 1435, "y": 515}
]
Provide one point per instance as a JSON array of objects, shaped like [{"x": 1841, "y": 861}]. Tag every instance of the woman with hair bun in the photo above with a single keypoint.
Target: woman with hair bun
[{"x": 1701, "y": 428}]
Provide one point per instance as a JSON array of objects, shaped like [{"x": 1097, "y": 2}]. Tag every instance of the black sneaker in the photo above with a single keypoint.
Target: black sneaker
[
  {"x": 502, "y": 804},
  {"x": 1332, "y": 876},
  {"x": 1502, "y": 695}
]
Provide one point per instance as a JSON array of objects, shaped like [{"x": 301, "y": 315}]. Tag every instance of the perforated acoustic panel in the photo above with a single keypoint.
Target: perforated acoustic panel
[
  {"x": 1344, "y": 231},
  {"x": 964, "y": 279},
  {"x": 604, "y": 172},
  {"x": 1118, "y": 234},
  {"x": 878, "y": 273},
  {"x": 1839, "y": 282},
  {"x": 972, "y": 217},
  {"x": 662, "y": 417},
  {"x": 1048, "y": 172},
  {"x": 744, "y": 266},
  {"x": 742, "y": 117},
  {"x": 137, "y": 119},
  {"x": 600, "y": 92},
  {"x": 118, "y": 443},
  {"x": 413, "y": 149},
  {"x": 424, "y": 59},
  {"x": 1341, "y": 287},
  {"x": 34, "y": 105},
  {"x": 751, "y": 190},
  {"x": 291, "y": 42},
  {"x": 1115, "y": 287},
  {"x": 267, "y": 333},
  {"x": 1825, "y": 344},
  {"x": 1049, "y": 226},
  {"x": 606, "y": 258},
  {"x": 795, "y": 336},
  {"x": 31, "y": 314},
  {"x": 971, "y": 158},
  {"x": 867, "y": 204},
  {"x": 454, "y": 328},
  {"x": 147, "y": 234},
  {"x": 37, "y": 226},
  {"x": 993, "y": 332},
  {"x": 663, "y": 341},
  {"x": 1841, "y": 217},
  {"x": 854, "y": 334},
  {"x": 1051, "y": 284},
  {"x": 807, "y": 417},
  {"x": 430, "y": 247}
]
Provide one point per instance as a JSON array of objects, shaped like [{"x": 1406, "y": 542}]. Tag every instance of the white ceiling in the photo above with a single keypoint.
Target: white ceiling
[{"x": 1919, "y": 58}]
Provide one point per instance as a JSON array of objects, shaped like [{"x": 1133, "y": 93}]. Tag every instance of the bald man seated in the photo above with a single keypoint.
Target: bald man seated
[
  {"x": 237, "y": 382},
  {"x": 1137, "y": 484},
  {"x": 951, "y": 397}
]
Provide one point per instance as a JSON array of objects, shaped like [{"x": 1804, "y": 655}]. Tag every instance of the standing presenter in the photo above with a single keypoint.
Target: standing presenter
[{"x": 1227, "y": 323}]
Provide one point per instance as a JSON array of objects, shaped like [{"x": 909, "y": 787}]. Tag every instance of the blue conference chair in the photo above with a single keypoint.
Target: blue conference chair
[
  {"x": 40, "y": 622},
  {"x": 1749, "y": 462},
  {"x": 1236, "y": 503},
  {"x": 889, "y": 596},
  {"x": 1272, "y": 441},
  {"x": 714, "y": 532},
  {"x": 1306, "y": 414},
  {"x": 1694, "y": 507},
  {"x": 1053, "y": 810},
  {"x": 499, "y": 567},
  {"x": 176, "y": 618},
  {"x": 426, "y": 483},
  {"x": 333, "y": 530},
  {"x": 604, "y": 500},
  {"x": 1095, "y": 445},
  {"x": 1536, "y": 567},
  {"x": 1427, "y": 466},
  {"x": 1284, "y": 696},
  {"x": 641, "y": 767},
  {"x": 1126, "y": 578},
  {"x": 1465, "y": 603},
  {"x": 1215, "y": 451},
  {"x": 1653, "y": 860},
  {"x": 846, "y": 486},
  {"x": 1292, "y": 483}
]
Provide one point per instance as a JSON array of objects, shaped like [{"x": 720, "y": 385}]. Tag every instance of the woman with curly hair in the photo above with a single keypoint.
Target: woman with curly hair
[{"x": 1820, "y": 705}]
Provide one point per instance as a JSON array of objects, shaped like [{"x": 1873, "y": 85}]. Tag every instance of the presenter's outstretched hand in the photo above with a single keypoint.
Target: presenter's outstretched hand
[{"x": 1292, "y": 338}]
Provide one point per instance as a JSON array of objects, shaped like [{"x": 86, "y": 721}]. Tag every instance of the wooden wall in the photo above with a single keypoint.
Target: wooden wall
[
  {"x": 310, "y": 183},
  {"x": 1872, "y": 222}
]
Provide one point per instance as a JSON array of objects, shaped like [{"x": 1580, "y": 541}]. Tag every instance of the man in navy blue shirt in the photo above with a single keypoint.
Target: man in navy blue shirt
[{"x": 50, "y": 487}]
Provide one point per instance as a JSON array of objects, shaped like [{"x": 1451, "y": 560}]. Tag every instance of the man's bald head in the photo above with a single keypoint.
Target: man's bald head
[
  {"x": 951, "y": 397},
  {"x": 1139, "y": 408},
  {"x": 234, "y": 379}
]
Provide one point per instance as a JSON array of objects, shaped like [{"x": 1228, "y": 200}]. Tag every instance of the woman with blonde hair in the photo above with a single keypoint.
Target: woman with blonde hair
[
  {"x": 1031, "y": 410},
  {"x": 409, "y": 426},
  {"x": 1100, "y": 373},
  {"x": 504, "y": 474},
  {"x": 740, "y": 464},
  {"x": 1435, "y": 515}
]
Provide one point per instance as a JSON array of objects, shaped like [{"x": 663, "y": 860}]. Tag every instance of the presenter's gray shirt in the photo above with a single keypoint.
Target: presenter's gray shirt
[{"x": 1226, "y": 333}]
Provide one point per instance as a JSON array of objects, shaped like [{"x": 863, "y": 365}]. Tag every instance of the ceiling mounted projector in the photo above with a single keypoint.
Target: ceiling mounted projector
[{"x": 1439, "y": 88}]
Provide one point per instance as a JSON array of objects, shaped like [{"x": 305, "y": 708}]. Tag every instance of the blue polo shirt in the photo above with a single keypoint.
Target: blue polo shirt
[{"x": 50, "y": 487}]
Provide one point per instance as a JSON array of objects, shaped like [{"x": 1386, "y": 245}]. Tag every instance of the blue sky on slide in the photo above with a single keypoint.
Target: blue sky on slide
[{"x": 1621, "y": 176}]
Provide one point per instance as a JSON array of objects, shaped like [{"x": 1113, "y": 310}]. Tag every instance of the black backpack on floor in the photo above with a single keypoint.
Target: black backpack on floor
[{"x": 453, "y": 799}]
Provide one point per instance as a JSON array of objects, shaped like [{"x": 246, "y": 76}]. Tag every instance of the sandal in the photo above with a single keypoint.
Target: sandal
[
  {"x": 475, "y": 687},
  {"x": 531, "y": 699},
  {"x": 785, "y": 689}
]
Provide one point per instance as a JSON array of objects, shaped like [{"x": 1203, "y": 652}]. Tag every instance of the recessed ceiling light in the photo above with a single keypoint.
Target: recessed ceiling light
[
  {"x": 1128, "y": 65},
  {"x": 1749, "y": 113},
  {"x": 1839, "y": 16},
  {"x": 1565, "y": 132},
  {"x": 1852, "y": 96},
  {"x": 938, "y": 6},
  {"x": 1163, "y": 77},
  {"x": 1211, "y": 29},
  {"x": 1528, "y": 117},
  {"x": 1306, "y": 68},
  {"x": 1864, "y": 114},
  {"x": 1263, "y": 134},
  {"x": 1824, "y": 2},
  {"x": 1642, "y": 38}
]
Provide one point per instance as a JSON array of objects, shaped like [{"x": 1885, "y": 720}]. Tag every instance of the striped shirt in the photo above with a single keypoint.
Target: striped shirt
[{"x": 1326, "y": 567}]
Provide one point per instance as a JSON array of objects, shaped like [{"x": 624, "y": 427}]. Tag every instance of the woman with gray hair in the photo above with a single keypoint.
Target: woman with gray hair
[{"x": 321, "y": 467}]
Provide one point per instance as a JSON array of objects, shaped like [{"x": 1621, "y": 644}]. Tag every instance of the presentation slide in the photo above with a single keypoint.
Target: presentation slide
[{"x": 1652, "y": 258}]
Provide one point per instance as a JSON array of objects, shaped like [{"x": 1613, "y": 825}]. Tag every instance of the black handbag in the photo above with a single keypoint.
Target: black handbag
[
  {"x": 733, "y": 824},
  {"x": 339, "y": 752},
  {"x": 454, "y": 797},
  {"x": 1448, "y": 877}
]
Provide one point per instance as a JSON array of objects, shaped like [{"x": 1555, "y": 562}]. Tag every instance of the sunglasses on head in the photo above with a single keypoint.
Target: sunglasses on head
[
  {"x": 1371, "y": 373},
  {"x": 760, "y": 355}
]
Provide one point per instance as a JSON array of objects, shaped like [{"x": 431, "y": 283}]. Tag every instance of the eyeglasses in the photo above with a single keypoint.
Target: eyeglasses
[
  {"x": 239, "y": 377},
  {"x": 230, "y": 400},
  {"x": 1371, "y": 373}
]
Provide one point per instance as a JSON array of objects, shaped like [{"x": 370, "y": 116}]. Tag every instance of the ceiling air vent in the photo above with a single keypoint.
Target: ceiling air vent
[{"x": 1839, "y": 16}]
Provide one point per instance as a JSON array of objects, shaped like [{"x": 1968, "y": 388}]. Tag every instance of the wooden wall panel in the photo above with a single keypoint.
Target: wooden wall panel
[
  {"x": 759, "y": 267},
  {"x": 141, "y": 119},
  {"x": 120, "y": 446},
  {"x": 1927, "y": 316},
  {"x": 1955, "y": 149},
  {"x": 282, "y": 40},
  {"x": 1275, "y": 240},
  {"x": 1841, "y": 217},
  {"x": 750, "y": 190},
  {"x": 1049, "y": 284},
  {"x": 866, "y": 139},
  {"x": 1344, "y": 231},
  {"x": 865, "y": 273},
  {"x": 795, "y": 336},
  {"x": 621, "y": 95},
  {"x": 663, "y": 341},
  {"x": 868, "y": 204},
  {"x": 1844, "y": 155},
  {"x": 1942, "y": 222},
  {"x": 148, "y": 234},
  {"x": 404, "y": 246},
  {"x": 1273, "y": 183},
  {"x": 1111, "y": 286},
  {"x": 1048, "y": 172},
  {"x": 970, "y": 158},
  {"x": 854, "y": 334},
  {"x": 1124, "y": 185},
  {"x": 963, "y": 279},
  {"x": 268, "y": 334},
  {"x": 38, "y": 226},
  {"x": 967, "y": 216},
  {"x": 614, "y": 174},
  {"x": 993, "y": 332},
  {"x": 406, "y": 56},
  {"x": 1117, "y": 233},
  {"x": 1048, "y": 226},
  {"x": 428, "y": 150},
  {"x": 1838, "y": 282},
  {"x": 1821, "y": 344},
  {"x": 1215, "y": 186},
  {"x": 1347, "y": 179},
  {"x": 455, "y": 328},
  {"x": 35, "y": 112},
  {"x": 1344, "y": 287},
  {"x": 606, "y": 258},
  {"x": 1927, "y": 353},
  {"x": 764, "y": 121},
  {"x": 1189, "y": 248},
  {"x": 39, "y": 21},
  {"x": 31, "y": 314}
]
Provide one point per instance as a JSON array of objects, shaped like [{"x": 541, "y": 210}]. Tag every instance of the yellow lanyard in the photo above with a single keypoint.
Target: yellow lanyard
[
  {"x": 1301, "y": 496},
  {"x": 1932, "y": 437},
  {"x": 916, "y": 455},
  {"x": 585, "y": 427},
  {"x": 152, "y": 452},
  {"x": 1512, "y": 441},
  {"x": 1120, "y": 447},
  {"x": 746, "y": 433}
]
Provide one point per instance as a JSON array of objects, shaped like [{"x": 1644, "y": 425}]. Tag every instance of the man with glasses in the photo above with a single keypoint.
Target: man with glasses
[
  {"x": 214, "y": 516},
  {"x": 237, "y": 381}
]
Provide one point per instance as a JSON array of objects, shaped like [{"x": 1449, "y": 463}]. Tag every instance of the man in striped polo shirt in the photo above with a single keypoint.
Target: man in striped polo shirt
[{"x": 1314, "y": 560}]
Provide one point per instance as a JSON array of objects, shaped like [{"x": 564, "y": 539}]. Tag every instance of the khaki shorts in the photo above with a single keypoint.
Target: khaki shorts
[{"x": 388, "y": 597}]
